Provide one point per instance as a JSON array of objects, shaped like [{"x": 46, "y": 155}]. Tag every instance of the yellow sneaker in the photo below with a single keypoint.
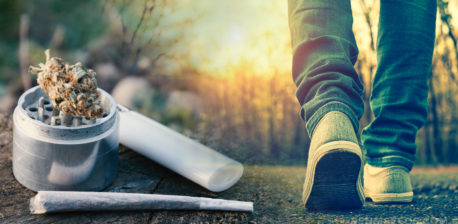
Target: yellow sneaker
[
  {"x": 388, "y": 184},
  {"x": 334, "y": 164}
]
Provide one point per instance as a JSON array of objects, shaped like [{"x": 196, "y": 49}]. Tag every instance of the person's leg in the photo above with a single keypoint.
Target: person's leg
[
  {"x": 324, "y": 52},
  {"x": 399, "y": 101},
  {"x": 329, "y": 91},
  {"x": 399, "y": 97}
]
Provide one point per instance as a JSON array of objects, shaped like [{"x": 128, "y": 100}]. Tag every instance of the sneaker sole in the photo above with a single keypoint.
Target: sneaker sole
[
  {"x": 391, "y": 197},
  {"x": 333, "y": 179}
]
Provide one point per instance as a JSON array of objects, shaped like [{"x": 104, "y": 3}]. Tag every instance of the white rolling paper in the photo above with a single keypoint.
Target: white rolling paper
[
  {"x": 177, "y": 152},
  {"x": 73, "y": 201}
]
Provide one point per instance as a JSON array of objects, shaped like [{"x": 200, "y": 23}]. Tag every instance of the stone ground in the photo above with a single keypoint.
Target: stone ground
[{"x": 275, "y": 191}]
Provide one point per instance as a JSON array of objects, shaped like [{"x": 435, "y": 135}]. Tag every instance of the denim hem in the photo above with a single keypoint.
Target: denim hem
[
  {"x": 388, "y": 161},
  {"x": 331, "y": 106}
]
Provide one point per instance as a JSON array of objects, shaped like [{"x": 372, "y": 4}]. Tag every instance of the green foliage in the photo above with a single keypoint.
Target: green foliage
[
  {"x": 185, "y": 118},
  {"x": 9, "y": 20},
  {"x": 82, "y": 21},
  {"x": 9, "y": 29}
]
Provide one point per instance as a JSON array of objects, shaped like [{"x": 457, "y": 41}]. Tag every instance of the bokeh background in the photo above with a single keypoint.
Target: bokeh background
[{"x": 217, "y": 71}]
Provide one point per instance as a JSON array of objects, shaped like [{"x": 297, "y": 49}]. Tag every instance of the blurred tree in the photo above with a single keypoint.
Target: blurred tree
[
  {"x": 81, "y": 21},
  {"x": 446, "y": 18},
  {"x": 142, "y": 25},
  {"x": 10, "y": 12}
]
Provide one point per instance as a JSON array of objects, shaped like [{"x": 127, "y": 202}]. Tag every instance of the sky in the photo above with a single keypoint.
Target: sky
[
  {"x": 255, "y": 31},
  {"x": 228, "y": 33}
]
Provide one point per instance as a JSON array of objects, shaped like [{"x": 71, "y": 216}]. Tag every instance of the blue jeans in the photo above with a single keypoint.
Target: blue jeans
[{"x": 324, "y": 54}]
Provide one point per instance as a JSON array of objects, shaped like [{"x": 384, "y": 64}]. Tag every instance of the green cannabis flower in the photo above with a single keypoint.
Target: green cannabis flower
[{"x": 71, "y": 89}]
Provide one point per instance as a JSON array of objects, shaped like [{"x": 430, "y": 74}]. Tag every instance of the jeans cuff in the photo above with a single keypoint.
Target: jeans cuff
[
  {"x": 388, "y": 161},
  {"x": 331, "y": 106}
]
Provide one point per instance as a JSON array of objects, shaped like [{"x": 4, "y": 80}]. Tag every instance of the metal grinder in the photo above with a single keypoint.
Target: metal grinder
[{"x": 56, "y": 151}]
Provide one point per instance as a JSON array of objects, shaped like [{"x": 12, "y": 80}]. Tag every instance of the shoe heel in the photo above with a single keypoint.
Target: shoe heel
[{"x": 336, "y": 182}]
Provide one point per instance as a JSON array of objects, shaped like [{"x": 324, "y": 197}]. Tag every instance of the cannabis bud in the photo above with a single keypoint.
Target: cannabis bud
[{"x": 71, "y": 89}]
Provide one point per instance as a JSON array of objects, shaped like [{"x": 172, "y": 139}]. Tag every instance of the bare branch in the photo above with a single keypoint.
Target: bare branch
[
  {"x": 446, "y": 18},
  {"x": 140, "y": 21}
]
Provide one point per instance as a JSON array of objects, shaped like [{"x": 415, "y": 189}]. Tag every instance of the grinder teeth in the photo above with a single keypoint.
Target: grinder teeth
[
  {"x": 43, "y": 111},
  {"x": 55, "y": 120},
  {"x": 66, "y": 118}
]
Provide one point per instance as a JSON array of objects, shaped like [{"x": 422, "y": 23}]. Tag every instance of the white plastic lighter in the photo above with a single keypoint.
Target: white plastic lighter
[{"x": 198, "y": 163}]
